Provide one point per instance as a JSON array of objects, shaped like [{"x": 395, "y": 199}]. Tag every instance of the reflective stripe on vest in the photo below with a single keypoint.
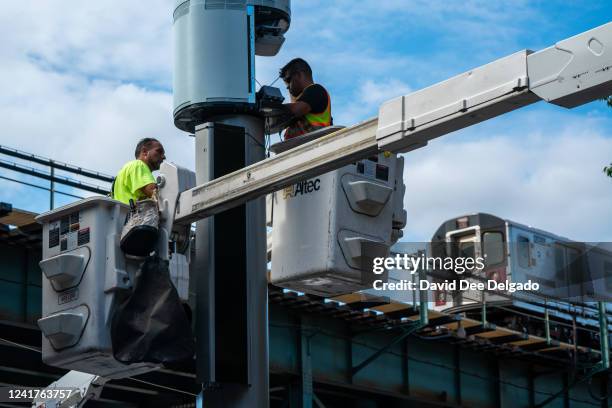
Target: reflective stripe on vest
[{"x": 323, "y": 118}]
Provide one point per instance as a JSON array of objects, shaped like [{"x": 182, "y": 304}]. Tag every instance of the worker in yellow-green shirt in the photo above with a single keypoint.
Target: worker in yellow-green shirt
[{"x": 135, "y": 180}]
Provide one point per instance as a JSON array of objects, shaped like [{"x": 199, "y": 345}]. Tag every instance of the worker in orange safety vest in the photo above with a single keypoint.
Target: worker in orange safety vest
[{"x": 310, "y": 103}]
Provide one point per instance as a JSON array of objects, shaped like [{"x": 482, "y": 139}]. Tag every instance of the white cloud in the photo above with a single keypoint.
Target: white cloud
[
  {"x": 372, "y": 93},
  {"x": 80, "y": 84},
  {"x": 368, "y": 97},
  {"x": 93, "y": 124},
  {"x": 112, "y": 39},
  {"x": 552, "y": 183}
]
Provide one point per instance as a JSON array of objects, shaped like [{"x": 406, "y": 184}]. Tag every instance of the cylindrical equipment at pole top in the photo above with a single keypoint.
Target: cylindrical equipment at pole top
[{"x": 215, "y": 43}]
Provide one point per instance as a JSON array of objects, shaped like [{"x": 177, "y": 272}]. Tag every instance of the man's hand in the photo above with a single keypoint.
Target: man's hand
[{"x": 149, "y": 189}]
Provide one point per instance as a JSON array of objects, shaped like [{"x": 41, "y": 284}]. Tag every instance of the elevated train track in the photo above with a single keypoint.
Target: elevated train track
[{"x": 352, "y": 322}]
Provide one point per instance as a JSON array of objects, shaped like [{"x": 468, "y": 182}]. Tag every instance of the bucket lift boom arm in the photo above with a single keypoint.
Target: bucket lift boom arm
[{"x": 570, "y": 73}]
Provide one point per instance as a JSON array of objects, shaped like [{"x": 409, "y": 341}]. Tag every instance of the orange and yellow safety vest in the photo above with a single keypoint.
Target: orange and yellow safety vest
[{"x": 310, "y": 122}]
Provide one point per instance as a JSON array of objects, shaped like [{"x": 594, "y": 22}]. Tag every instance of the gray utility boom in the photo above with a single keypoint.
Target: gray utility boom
[{"x": 570, "y": 73}]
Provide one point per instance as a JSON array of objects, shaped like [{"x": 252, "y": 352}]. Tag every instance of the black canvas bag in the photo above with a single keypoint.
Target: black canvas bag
[{"x": 151, "y": 324}]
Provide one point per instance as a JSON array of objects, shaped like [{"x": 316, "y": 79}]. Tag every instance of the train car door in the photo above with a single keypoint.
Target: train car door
[{"x": 465, "y": 243}]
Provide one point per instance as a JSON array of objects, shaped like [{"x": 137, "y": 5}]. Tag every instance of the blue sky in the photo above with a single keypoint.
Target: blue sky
[{"x": 83, "y": 81}]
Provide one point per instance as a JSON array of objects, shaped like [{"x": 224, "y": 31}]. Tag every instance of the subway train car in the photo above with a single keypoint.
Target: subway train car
[{"x": 571, "y": 276}]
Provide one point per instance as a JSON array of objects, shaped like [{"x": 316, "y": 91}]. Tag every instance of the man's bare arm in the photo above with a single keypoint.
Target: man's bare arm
[{"x": 149, "y": 189}]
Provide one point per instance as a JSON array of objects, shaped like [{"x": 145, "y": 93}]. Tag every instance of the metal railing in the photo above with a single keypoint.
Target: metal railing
[{"x": 51, "y": 176}]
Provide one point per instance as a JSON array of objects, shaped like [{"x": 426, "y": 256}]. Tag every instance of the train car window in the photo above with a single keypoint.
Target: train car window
[
  {"x": 561, "y": 266},
  {"x": 608, "y": 275},
  {"x": 522, "y": 244},
  {"x": 466, "y": 249},
  {"x": 574, "y": 266},
  {"x": 493, "y": 244}
]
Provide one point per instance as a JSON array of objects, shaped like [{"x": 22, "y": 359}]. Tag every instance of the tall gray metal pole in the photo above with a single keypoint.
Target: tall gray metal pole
[
  {"x": 214, "y": 92},
  {"x": 230, "y": 270}
]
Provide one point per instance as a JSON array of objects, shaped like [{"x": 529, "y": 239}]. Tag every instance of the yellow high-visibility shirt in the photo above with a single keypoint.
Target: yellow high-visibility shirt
[{"x": 130, "y": 179}]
